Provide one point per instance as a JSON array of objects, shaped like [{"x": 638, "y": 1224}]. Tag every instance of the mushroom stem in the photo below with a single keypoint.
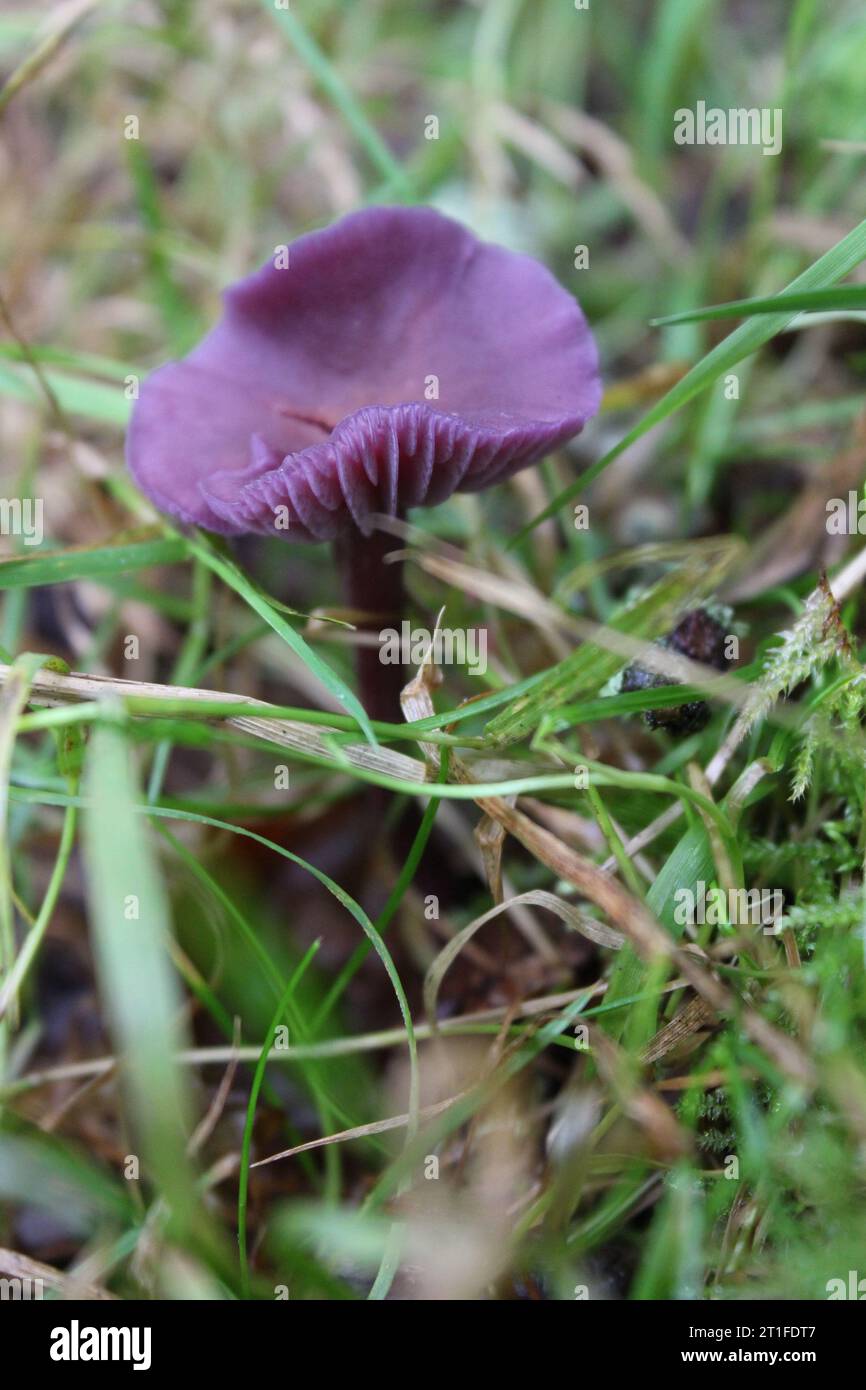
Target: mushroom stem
[{"x": 375, "y": 590}]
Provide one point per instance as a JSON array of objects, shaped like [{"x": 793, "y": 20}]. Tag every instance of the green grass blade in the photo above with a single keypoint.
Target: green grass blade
[
  {"x": 129, "y": 916},
  {"x": 587, "y": 668},
  {"x": 95, "y": 400},
  {"x": 805, "y": 301},
  {"x": 237, "y": 580},
  {"x": 88, "y": 562},
  {"x": 258, "y": 1080},
  {"x": 840, "y": 260},
  {"x": 339, "y": 94}
]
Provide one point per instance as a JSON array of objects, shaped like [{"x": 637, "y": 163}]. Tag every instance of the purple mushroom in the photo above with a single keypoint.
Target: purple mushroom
[{"x": 380, "y": 364}]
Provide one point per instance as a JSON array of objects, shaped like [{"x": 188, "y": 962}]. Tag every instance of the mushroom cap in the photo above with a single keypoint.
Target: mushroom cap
[{"x": 394, "y": 359}]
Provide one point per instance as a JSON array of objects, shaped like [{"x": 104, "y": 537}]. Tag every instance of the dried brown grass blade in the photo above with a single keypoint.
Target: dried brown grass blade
[
  {"x": 690, "y": 1019},
  {"x": 49, "y": 687},
  {"x": 567, "y": 912},
  {"x": 647, "y": 1110},
  {"x": 360, "y": 1131},
  {"x": 15, "y": 1266},
  {"x": 626, "y": 912}
]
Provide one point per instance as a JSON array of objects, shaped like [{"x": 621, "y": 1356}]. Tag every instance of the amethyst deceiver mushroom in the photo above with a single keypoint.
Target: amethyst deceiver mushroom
[{"x": 383, "y": 363}]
